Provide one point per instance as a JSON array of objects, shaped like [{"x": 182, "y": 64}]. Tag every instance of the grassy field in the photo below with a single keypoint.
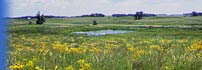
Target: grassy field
[{"x": 157, "y": 43}]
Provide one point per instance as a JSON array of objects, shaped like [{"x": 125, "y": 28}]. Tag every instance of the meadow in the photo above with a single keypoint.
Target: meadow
[{"x": 156, "y": 43}]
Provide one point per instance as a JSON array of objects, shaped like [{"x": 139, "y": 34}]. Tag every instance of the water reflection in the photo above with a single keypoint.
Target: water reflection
[{"x": 102, "y": 32}]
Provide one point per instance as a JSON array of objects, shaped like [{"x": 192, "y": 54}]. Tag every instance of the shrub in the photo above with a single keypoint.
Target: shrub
[{"x": 94, "y": 22}]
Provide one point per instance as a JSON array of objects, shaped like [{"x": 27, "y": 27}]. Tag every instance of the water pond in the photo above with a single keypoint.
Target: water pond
[{"x": 103, "y": 32}]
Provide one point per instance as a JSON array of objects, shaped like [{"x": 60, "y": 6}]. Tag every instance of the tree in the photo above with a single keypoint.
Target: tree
[
  {"x": 40, "y": 18},
  {"x": 194, "y": 13},
  {"x": 94, "y": 22},
  {"x": 138, "y": 15},
  {"x": 43, "y": 18}
]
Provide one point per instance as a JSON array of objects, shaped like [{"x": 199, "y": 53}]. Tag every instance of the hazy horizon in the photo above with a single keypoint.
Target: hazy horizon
[{"x": 107, "y": 7}]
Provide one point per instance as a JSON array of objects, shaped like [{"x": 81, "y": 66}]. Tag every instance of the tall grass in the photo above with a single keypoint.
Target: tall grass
[{"x": 53, "y": 46}]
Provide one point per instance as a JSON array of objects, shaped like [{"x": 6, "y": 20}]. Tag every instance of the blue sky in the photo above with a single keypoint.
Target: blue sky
[{"x": 108, "y": 7}]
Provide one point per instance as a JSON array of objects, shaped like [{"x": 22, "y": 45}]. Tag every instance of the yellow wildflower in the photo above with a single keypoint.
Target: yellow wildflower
[
  {"x": 138, "y": 54},
  {"x": 156, "y": 47},
  {"x": 87, "y": 65},
  {"x": 38, "y": 68},
  {"x": 56, "y": 67},
  {"x": 70, "y": 67},
  {"x": 131, "y": 49},
  {"x": 81, "y": 61},
  {"x": 196, "y": 46},
  {"x": 17, "y": 66},
  {"x": 30, "y": 64},
  {"x": 166, "y": 68}
]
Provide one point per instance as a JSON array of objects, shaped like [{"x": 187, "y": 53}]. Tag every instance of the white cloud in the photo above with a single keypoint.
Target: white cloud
[{"x": 79, "y": 7}]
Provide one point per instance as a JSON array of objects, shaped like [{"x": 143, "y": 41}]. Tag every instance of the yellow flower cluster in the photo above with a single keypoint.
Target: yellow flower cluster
[
  {"x": 164, "y": 41},
  {"x": 63, "y": 47},
  {"x": 196, "y": 46},
  {"x": 46, "y": 51},
  {"x": 131, "y": 49},
  {"x": 38, "y": 68},
  {"x": 156, "y": 47},
  {"x": 59, "y": 46},
  {"x": 83, "y": 65},
  {"x": 81, "y": 61},
  {"x": 30, "y": 64},
  {"x": 16, "y": 66},
  {"x": 70, "y": 67},
  {"x": 138, "y": 53}
]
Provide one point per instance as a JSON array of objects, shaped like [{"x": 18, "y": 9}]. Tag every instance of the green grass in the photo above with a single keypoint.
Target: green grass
[{"x": 180, "y": 48}]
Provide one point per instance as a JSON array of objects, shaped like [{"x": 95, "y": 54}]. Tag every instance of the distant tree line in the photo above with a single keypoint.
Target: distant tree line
[
  {"x": 140, "y": 14},
  {"x": 50, "y": 16},
  {"x": 125, "y": 15},
  {"x": 196, "y": 13},
  {"x": 119, "y": 15},
  {"x": 34, "y": 17},
  {"x": 94, "y": 15},
  {"x": 193, "y": 14}
]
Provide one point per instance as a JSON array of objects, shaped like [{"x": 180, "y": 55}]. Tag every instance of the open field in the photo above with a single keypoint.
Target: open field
[{"x": 157, "y": 43}]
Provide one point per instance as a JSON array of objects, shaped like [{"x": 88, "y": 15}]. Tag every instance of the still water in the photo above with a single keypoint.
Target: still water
[{"x": 102, "y": 32}]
